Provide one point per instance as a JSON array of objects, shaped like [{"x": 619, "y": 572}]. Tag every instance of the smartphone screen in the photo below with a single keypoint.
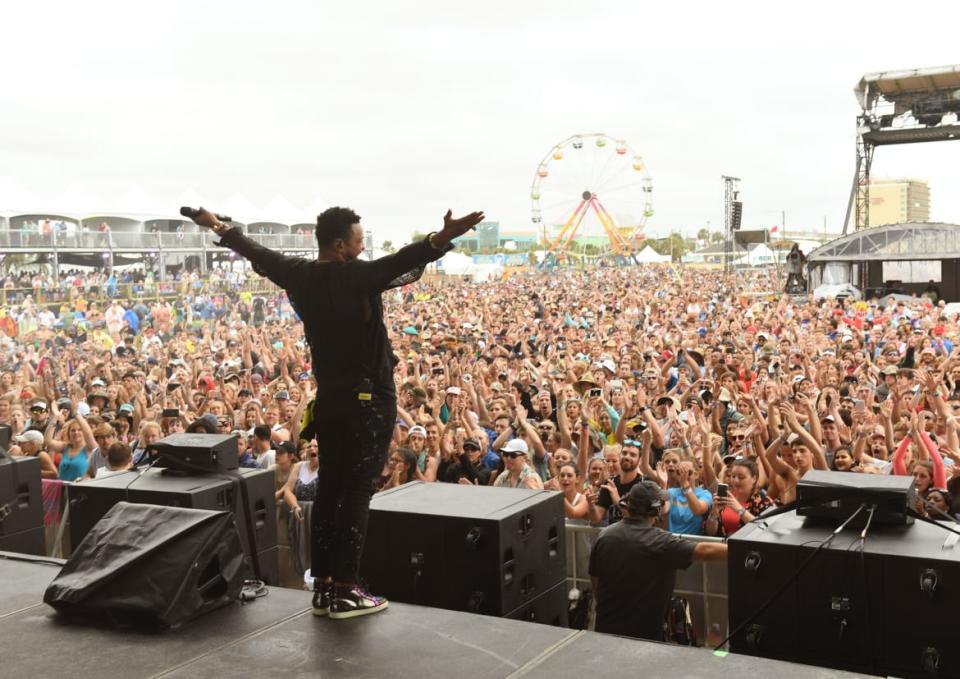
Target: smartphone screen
[{"x": 721, "y": 490}]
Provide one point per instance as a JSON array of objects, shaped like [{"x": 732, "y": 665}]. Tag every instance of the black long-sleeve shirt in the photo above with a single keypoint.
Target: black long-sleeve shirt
[{"x": 342, "y": 313}]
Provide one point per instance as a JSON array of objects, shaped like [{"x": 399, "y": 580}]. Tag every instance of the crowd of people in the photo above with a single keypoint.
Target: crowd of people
[{"x": 723, "y": 391}]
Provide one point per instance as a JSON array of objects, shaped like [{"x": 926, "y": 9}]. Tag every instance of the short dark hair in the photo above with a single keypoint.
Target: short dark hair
[
  {"x": 119, "y": 454},
  {"x": 262, "y": 432},
  {"x": 334, "y": 223}
]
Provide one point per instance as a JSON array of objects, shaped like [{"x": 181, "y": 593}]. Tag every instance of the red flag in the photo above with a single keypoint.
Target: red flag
[{"x": 774, "y": 229}]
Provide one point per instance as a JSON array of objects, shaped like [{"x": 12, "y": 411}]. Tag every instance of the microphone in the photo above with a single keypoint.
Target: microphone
[{"x": 193, "y": 213}]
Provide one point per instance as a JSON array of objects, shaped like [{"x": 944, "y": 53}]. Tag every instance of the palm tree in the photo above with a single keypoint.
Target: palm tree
[
  {"x": 387, "y": 246},
  {"x": 703, "y": 235}
]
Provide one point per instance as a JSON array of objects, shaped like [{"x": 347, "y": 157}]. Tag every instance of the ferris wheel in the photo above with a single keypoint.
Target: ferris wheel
[{"x": 592, "y": 184}]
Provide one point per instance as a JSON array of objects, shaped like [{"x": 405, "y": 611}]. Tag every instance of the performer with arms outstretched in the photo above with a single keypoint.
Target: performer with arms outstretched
[{"x": 337, "y": 296}]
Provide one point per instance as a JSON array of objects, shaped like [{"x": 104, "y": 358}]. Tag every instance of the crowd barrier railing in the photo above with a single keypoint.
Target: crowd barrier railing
[{"x": 703, "y": 585}]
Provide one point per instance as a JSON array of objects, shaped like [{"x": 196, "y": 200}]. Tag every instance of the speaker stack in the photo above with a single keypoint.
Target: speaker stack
[
  {"x": 21, "y": 506},
  {"x": 493, "y": 551},
  {"x": 203, "y": 482},
  {"x": 884, "y": 605}
]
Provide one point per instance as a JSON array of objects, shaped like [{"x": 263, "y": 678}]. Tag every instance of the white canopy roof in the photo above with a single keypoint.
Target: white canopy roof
[{"x": 650, "y": 256}]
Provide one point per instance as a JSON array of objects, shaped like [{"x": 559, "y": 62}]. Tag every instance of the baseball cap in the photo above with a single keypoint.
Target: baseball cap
[
  {"x": 471, "y": 443},
  {"x": 453, "y": 390},
  {"x": 827, "y": 418},
  {"x": 39, "y": 405},
  {"x": 97, "y": 382},
  {"x": 792, "y": 438},
  {"x": 516, "y": 446},
  {"x": 645, "y": 498},
  {"x": 670, "y": 401},
  {"x": 30, "y": 436},
  {"x": 418, "y": 430},
  {"x": 609, "y": 365},
  {"x": 256, "y": 378},
  {"x": 282, "y": 395},
  {"x": 286, "y": 447}
]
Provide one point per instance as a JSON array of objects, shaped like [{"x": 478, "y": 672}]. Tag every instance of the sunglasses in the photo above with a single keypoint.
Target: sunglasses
[
  {"x": 511, "y": 454},
  {"x": 738, "y": 437},
  {"x": 632, "y": 442}
]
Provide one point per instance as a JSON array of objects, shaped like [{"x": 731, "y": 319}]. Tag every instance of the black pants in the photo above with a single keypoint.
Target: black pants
[{"x": 353, "y": 449}]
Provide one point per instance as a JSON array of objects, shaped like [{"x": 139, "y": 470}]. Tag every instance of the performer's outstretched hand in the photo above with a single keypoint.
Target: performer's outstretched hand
[
  {"x": 459, "y": 226},
  {"x": 205, "y": 218}
]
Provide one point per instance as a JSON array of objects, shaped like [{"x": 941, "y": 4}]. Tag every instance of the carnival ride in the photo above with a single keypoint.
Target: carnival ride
[{"x": 591, "y": 184}]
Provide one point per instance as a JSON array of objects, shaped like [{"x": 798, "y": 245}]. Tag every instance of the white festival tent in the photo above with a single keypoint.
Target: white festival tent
[
  {"x": 650, "y": 256},
  {"x": 283, "y": 211},
  {"x": 459, "y": 264}
]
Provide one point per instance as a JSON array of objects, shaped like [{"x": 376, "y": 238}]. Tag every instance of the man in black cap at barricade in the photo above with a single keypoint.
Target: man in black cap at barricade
[{"x": 633, "y": 565}]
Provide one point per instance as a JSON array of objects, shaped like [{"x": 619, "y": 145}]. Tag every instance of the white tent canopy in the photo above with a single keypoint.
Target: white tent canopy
[
  {"x": 455, "y": 264},
  {"x": 283, "y": 211},
  {"x": 650, "y": 256}
]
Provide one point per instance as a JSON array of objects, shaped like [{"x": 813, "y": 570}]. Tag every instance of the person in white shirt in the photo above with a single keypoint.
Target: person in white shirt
[{"x": 119, "y": 460}]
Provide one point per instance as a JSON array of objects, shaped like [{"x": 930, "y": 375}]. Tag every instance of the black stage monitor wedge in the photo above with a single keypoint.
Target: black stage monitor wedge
[
  {"x": 834, "y": 496},
  {"x": 197, "y": 452},
  {"x": 151, "y": 567},
  {"x": 254, "y": 510},
  {"x": 493, "y": 551}
]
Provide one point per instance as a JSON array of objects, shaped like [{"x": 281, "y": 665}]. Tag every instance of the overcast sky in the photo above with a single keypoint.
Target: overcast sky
[{"x": 401, "y": 110}]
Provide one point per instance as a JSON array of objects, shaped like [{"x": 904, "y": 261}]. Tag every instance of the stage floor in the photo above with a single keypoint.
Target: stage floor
[{"x": 276, "y": 636}]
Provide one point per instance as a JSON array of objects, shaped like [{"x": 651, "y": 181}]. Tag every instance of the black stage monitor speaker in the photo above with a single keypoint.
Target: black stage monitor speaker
[
  {"x": 151, "y": 566},
  {"x": 254, "y": 511},
  {"x": 834, "y": 496},
  {"x": 194, "y": 453},
  {"x": 888, "y": 608},
  {"x": 6, "y": 434},
  {"x": 21, "y": 506},
  {"x": 467, "y": 548}
]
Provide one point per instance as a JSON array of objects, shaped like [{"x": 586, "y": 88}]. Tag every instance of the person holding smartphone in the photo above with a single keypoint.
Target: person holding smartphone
[{"x": 738, "y": 503}]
